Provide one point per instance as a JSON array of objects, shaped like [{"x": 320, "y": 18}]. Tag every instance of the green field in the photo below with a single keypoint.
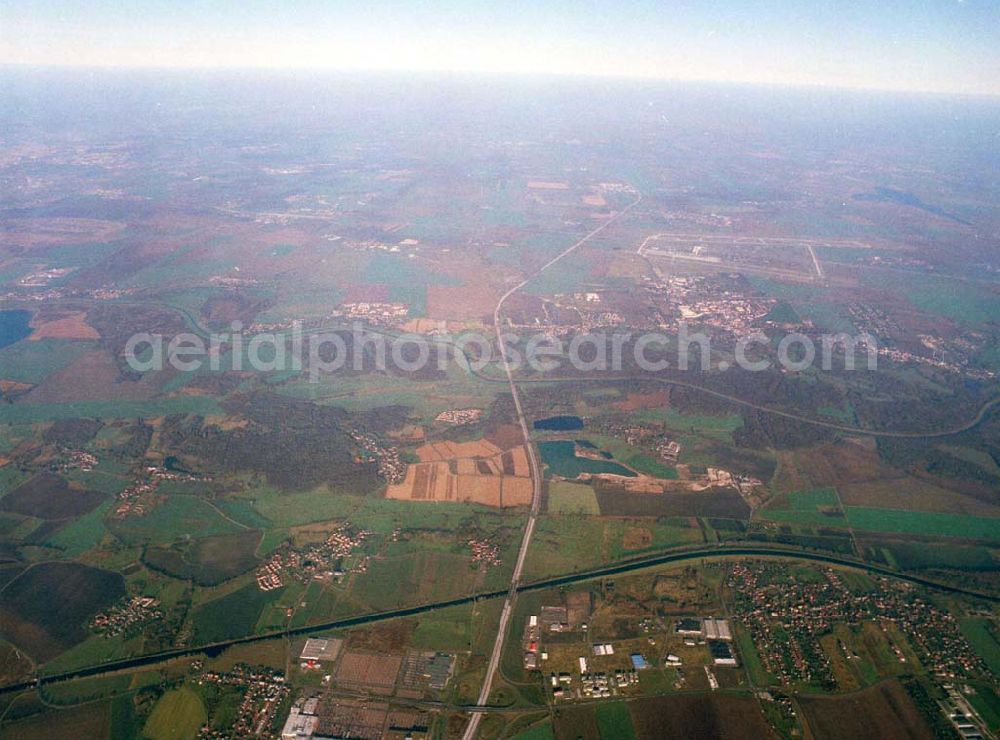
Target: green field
[
  {"x": 751, "y": 658},
  {"x": 377, "y": 514},
  {"x": 95, "y": 649},
  {"x": 720, "y": 428},
  {"x": 568, "y": 544},
  {"x": 83, "y": 534},
  {"x": 982, "y": 636},
  {"x": 177, "y": 517},
  {"x": 650, "y": 466},
  {"x": 977, "y": 457},
  {"x": 541, "y": 731},
  {"x": 922, "y": 522},
  {"x": 937, "y": 295},
  {"x": 910, "y": 556},
  {"x": 821, "y": 507},
  {"x": 423, "y": 577},
  {"x": 178, "y": 715},
  {"x": 614, "y": 721},
  {"x": 816, "y": 506},
  {"x": 445, "y": 629},
  {"x": 986, "y": 701},
  {"x": 572, "y": 498},
  {"x": 232, "y": 615}
]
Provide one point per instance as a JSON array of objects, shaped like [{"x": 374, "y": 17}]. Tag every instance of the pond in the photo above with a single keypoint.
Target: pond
[
  {"x": 561, "y": 459},
  {"x": 14, "y": 326},
  {"x": 559, "y": 423}
]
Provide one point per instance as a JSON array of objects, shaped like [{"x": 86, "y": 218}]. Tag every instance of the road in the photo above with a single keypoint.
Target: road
[
  {"x": 815, "y": 259},
  {"x": 535, "y": 469}
]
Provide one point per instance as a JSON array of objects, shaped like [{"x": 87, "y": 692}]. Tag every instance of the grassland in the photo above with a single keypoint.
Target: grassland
[
  {"x": 175, "y": 518},
  {"x": 649, "y": 466},
  {"x": 923, "y": 523},
  {"x": 986, "y": 701},
  {"x": 917, "y": 556},
  {"x": 423, "y": 577},
  {"x": 445, "y": 629},
  {"x": 542, "y": 731},
  {"x": 94, "y": 649},
  {"x": 209, "y": 560},
  {"x": 178, "y": 715},
  {"x": 821, "y": 507},
  {"x": 981, "y": 634},
  {"x": 567, "y": 544},
  {"x": 382, "y": 516},
  {"x": 937, "y": 295},
  {"x": 719, "y": 427},
  {"x": 232, "y": 615},
  {"x": 614, "y": 721},
  {"x": 572, "y": 498},
  {"x": 816, "y": 506}
]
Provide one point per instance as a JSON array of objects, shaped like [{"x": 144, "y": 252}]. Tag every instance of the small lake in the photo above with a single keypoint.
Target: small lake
[
  {"x": 14, "y": 326},
  {"x": 559, "y": 423},
  {"x": 560, "y": 457}
]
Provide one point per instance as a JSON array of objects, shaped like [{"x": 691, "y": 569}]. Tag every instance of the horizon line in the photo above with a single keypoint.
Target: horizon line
[{"x": 511, "y": 74}]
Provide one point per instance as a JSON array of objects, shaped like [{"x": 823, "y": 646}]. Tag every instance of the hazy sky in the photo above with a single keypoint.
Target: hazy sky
[{"x": 938, "y": 45}]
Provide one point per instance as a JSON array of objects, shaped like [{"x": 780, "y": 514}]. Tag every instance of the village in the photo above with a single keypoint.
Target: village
[
  {"x": 331, "y": 560},
  {"x": 263, "y": 694},
  {"x": 391, "y": 467},
  {"x": 138, "y": 498},
  {"x": 787, "y": 617},
  {"x": 129, "y": 615}
]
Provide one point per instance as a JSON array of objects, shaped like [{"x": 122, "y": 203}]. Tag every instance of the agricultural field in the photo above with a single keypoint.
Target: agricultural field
[
  {"x": 883, "y": 711},
  {"x": 46, "y": 607},
  {"x": 208, "y": 561},
  {"x": 685, "y": 716}
]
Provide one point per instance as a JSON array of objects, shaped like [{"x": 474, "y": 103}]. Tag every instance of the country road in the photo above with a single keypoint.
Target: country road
[{"x": 535, "y": 468}]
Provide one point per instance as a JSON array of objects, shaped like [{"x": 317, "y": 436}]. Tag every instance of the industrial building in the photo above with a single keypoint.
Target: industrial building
[
  {"x": 722, "y": 653},
  {"x": 716, "y": 629}
]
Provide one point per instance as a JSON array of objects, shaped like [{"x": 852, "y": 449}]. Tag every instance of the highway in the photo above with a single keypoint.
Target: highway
[{"x": 535, "y": 469}]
